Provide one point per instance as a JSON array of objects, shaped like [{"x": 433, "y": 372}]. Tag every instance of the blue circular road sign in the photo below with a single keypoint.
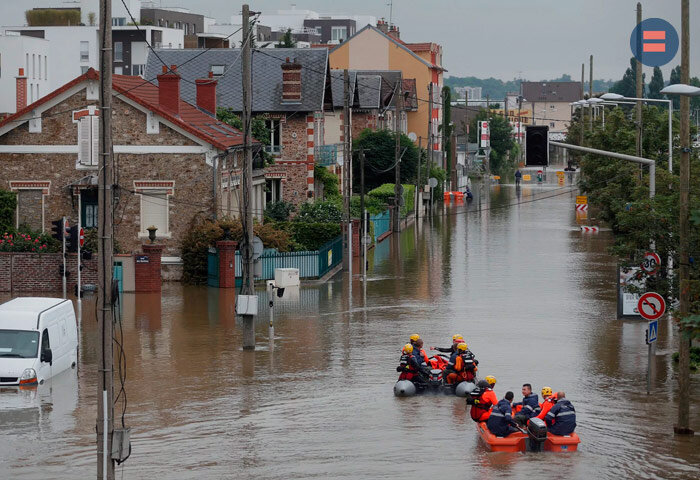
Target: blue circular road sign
[{"x": 654, "y": 42}]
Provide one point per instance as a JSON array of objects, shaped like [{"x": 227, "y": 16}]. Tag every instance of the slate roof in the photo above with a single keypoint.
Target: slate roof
[
  {"x": 266, "y": 71},
  {"x": 338, "y": 89},
  {"x": 369, "y": 88},
  {"x": 191, "y": 119},
  {"x": 551, "y": 91}
]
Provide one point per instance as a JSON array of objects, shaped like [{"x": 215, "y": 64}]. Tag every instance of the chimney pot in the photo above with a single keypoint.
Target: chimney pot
[
  {"x": 21, "y": 72},
  {"x": 173, "y": 68},
  {"x": 164, "y": 69},
  {"x": 21, "y": 91},
  {"x": 211, "y": 74}
]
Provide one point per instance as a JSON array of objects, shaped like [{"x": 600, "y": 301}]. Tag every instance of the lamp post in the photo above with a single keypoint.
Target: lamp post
[
  {"x": 617, "y": 96},
  {"x": 684, "y": 90}
]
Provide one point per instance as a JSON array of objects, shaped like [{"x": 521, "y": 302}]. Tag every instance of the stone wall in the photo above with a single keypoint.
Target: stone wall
[{"x": 32, "y": 272}]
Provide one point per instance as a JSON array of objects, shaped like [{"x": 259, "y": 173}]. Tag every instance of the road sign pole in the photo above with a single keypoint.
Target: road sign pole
[{"x": 649, "y": 344}]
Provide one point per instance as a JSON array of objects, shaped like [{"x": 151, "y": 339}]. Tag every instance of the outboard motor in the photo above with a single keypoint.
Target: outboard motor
[
  {"x": 537, "y": 434},
  {"x": 435, "y": 378},
  {"x": 463, "y": 389},
  {"x": 404, "y": 388}
]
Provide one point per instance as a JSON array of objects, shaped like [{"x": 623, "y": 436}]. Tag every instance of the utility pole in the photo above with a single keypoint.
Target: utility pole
[
  {"x": 419, "y": 185},
  {"x": 105, "y": 373},
  {"x": 397, "y": 155},
  {"x": 347, "y": 193},
  {"x": 248, "y": 286},
  {"x": 583, "y": 110},
  {"x": 683, "y": 425},
  {"x": 364, "y": 228},
  {"x": 590, "y": 91},
  {"x": 430, "y": 128},
  {"x": 639, "y": 85}
]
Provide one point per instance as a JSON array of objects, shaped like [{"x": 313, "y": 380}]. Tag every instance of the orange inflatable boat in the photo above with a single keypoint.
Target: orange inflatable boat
[{"x": 522, "y": 442}]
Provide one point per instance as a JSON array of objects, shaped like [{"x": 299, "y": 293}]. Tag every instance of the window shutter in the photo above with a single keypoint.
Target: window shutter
[
  {"x": 154, "y": 210},
  {"x": 95, "y": 139},
  {"x": 84, "y": 141}
]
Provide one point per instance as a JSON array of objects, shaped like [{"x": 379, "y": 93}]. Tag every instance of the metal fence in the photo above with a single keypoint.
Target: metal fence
[
  {"x": 382, "y": 224},
  {"x": 311, "y": 264}
]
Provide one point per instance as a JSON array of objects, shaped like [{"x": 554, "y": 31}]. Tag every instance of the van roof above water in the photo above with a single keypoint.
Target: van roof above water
[{"x": 21, "y": 313}]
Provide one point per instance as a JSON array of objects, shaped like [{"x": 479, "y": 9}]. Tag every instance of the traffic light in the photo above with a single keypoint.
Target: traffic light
[
  {"x": 57, "y": 229},
  {"x": 537, "y": 145},
  {"x": 72, "y": 239}
]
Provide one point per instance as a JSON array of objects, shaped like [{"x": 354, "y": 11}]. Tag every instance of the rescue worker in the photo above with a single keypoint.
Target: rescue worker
[
  {"x": 419, "y": 352},
  {"x": 461, "y": 367},
  {"x": 529, "y": 407},
  {"x": 561, "y": 418},
  {"x": 481, "y": 406},
  {"x": 409, "y": 367},
  {"x": 501, "y": 422},
  {"x": 456, "y": 340},
  {"x": 548, "y": 401}
]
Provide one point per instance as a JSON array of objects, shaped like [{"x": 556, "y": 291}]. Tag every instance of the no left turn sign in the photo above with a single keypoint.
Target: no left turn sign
[{"x": 651, "y": 306}]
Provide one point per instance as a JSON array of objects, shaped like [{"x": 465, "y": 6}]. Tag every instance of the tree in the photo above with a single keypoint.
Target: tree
[
  {"x": 627, "y": 86},
  {"x": 656, "y": 84},
  {"x": 501, "y": 137},
  {"x": 673, "y": 79},
  {"x": 379, "y": 147},
  {"x": 287, "y": 40}
]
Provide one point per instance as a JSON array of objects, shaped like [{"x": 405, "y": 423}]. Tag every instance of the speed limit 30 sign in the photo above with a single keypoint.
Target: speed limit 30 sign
[
  {"x": 651, "y": 306},
  {"x": 651, "y": 263}
]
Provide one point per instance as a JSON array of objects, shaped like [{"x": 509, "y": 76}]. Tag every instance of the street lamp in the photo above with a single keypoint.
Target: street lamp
[
  {"x": 682, "y": 89},
  {"x": 616, "y": 96}
]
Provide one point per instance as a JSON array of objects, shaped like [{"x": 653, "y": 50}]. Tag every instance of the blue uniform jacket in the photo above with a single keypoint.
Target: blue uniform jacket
[
  {"x": 531, "y": 406},
  {"x": 561, "y": 419},
  {"x": 500, "y": 419}
]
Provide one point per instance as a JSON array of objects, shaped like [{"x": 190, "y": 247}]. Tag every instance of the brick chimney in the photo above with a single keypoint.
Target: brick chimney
[
  {"x": 169, "y": 90},
  {"x": 21, "y": 90},
  {"x": 206, "y": 93},
  {"x": 291, "y": 81},
  {"x": 383, "y": 26},
  {"x": 394, "y": 32}
]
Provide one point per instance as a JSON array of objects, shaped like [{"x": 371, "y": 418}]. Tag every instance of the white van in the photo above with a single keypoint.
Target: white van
[{"x": 38, "y": 339}]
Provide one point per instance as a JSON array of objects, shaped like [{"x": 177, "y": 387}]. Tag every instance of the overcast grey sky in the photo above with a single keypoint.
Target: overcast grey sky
[{"x": 535, "y": 39}]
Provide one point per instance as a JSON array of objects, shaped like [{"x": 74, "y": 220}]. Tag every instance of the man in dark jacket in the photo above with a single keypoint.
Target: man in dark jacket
[
  {"x": 529, "y": 407},
  {"x": 561, "y": 419},
  {"x": 500, "y": 422}
]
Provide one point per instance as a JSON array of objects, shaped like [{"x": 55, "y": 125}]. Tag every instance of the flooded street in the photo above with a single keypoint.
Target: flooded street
[{"x": 534, "y": 298}]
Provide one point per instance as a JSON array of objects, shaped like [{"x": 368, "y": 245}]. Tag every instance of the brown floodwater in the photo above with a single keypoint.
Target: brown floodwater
[{"x": 533, "y": 296}]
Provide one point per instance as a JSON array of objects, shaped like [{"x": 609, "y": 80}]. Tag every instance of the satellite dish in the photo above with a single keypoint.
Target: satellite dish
[
  {"x": 413, "y": 136},
  {"x": 257, "y": 247},
  {"x": 432, "y": 182}
]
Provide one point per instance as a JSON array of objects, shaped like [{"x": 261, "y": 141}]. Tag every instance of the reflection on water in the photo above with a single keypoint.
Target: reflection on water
[{"x": 533, "y": 297}]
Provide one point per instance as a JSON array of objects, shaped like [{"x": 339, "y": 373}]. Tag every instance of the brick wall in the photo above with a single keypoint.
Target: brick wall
[
  {"x": 297, "y": 159},
  {"x": 31, "y": 272},
  {"x": 147, "y": 274},
  {"x": 363, "y": 120},
  {"x": 192, "y": 176}
]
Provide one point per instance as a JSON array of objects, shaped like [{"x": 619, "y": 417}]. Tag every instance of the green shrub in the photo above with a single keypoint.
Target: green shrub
[
  {"x": 372, "y": 204},
  {"x": 279, "y": 211},
  {"x": 311, "y": 236},
  {"x": 320, "y": 212},
  {"x": 29, "y": 242},
  {"x": 329, "y": 181},
  {"x": 385, "y": 194},
  {"x": 8, "y": 205}
]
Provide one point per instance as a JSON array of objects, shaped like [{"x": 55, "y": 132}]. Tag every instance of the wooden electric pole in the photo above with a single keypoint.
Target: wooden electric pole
[
  {"x": 590, "y": 90},
  {"x": 398, "y": 194},
  {"x": 683, "y": 425},
  {"x": 105, "y": 373},
  {"x": 248, "y": 286},
  {"x": 419, "y": 185},
  {"x": 639, "y": 84},
  {"x": 347, "y": 174},
  {"x": 583, "y": 110}
]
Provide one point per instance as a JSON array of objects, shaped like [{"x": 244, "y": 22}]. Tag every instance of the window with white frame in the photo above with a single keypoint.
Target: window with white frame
[
  {"x": 339, "y": 33},
  {"x": 139, "y": 70},
  {"x": 39, "y": 67},
  {"x": 155, "y": 203},
  {"x": 84, "y": 51},
  {"x": 275, "y": 127},
  {"x": 46, "y": 68},
  {"x": 88, "y": 123},
  {"x": 118, "y": 52}
]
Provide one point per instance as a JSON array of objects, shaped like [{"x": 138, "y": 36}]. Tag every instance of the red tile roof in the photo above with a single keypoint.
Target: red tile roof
[
  {"x": 191, "y": 119},
  {"x": 421, "y": 47}
]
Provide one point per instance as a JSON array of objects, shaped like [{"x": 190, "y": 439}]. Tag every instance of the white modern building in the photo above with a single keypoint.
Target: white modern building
[{"x": 27, "y": 53}]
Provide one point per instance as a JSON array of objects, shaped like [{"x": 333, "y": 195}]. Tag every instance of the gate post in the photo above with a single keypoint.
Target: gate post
[
  {"x": 147, "y": 269},
  {"x": 227, "y": 263}
]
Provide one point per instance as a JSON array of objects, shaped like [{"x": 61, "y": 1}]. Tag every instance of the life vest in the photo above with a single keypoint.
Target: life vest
[
  {"x": 547, "y": 405},
  {"x": 481, "y": 410}
]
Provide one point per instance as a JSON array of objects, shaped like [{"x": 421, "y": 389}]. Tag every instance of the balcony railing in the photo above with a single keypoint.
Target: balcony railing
[{"x": 327, "y": 155}]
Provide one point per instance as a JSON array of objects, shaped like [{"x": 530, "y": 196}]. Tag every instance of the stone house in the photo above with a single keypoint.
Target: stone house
[
  {"x": 166, "y": 151},
  {"x": 291, "y": 91}
]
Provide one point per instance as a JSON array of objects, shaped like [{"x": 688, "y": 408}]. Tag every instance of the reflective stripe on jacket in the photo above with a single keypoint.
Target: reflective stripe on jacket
[{"x": 561, "y": 419}]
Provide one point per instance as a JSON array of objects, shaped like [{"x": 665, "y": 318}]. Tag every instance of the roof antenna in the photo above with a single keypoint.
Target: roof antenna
[{"x": 391, "y": 11}]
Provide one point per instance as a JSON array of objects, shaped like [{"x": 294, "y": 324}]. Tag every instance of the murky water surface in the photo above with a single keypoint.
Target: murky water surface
[{"x": 534, "y": 298}]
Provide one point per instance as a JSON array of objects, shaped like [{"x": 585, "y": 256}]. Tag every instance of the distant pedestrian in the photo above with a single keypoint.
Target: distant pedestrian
[{"x": 518, "y": 177}]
